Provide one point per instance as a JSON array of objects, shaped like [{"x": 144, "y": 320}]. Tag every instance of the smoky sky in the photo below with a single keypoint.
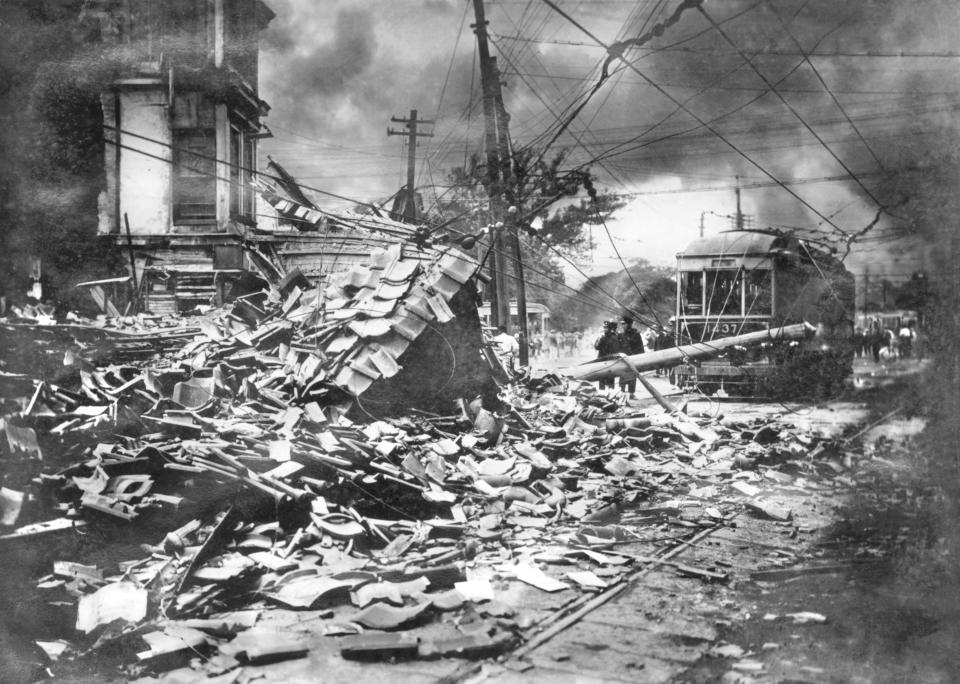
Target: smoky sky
[{"x": 335, "y": 72}]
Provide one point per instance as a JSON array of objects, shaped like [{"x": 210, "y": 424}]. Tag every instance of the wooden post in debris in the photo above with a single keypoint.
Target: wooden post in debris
[
  {"x": 133, "y": 264},
  {"x": 647, "y": 385}
]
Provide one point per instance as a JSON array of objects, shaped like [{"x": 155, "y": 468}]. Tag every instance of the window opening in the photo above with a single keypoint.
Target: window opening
[
  {"x": 760, "y": 292},
  {"x": 691, "y": 292},
  {"x": 724, "y": 293},
  {"x": 194, "y": 169}
]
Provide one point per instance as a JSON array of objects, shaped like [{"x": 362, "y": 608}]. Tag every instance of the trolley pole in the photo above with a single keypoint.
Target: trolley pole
[
  {"x": 412, "y": 134},
  {"x": 739, "y": 213}
]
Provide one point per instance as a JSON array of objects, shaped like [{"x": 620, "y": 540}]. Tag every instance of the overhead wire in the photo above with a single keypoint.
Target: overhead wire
[
  {"x": 213, "y": 158},
  {"x": 446, "y": 80},
  {"x": 616, "y": 251},
  {"x": 703, "y": 123},
  {"x": 816, "y": 72},
  {"x": 787, "y": 104},
  {"x": 681, "y": 106},
  {"x": 549, "y": 109},
  {"x": 756, "y": 129},
  {"x": 579, "y": 295},
  {"x": 617, "y": 78},
  {"x": 734, "y": 88},
  {"x": 575, "y": 136},
  {"x": 590, "y": 301},
  {"x": 537, "y": 60},
  {"x": 616, "y": 51}
]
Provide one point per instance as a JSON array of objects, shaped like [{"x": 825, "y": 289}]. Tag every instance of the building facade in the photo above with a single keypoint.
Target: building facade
[{"x": 181, "y": 121}]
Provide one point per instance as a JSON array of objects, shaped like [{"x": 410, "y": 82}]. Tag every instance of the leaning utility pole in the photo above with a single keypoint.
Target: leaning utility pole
[
  {"x": 499, "y": 294},
  {"x": 500, "y": 187},
  {"x": 513, "y": 210},
  {"x": 412, "y": 134}
]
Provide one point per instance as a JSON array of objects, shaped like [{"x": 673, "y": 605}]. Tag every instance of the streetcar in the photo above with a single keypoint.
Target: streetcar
[{"x": 742, "y": 281}]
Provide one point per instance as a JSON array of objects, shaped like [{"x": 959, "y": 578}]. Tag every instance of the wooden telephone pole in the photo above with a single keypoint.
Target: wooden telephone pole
[
  {"x": 412, "y": 134},
  {"x": 501, "y": 189}
]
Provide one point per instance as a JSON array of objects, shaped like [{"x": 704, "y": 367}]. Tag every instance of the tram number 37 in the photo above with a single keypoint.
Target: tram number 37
[{"x": 726, "y": 329}]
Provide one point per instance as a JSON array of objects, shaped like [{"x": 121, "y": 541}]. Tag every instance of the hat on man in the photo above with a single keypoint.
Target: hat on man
[
  {"x": 609, "y": 324},
  {"x": 627, "y": 319}
]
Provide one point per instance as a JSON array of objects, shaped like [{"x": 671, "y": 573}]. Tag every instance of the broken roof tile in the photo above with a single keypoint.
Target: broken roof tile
[
  {"x": 401, "y": 271},
  {"x": 385, "y": 363},
  {"x": 374, "y": 327},
  {"x": 375, "y": 307},
  {"x": 352, "y": 381},
  {"x": 416, "y": 304},
  {"x": 440, "y": 308},
  {"x": 445, "y": 286},
  {"x": 458, "y": 266},
  {"x": 390, "y": 291},
  {"x": 408, "y": 325}
]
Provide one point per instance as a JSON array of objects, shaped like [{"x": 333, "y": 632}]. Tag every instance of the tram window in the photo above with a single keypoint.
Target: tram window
[
  {"x": 692, "y": 292},
  {"x": 723, "y": 293},
  {"x": 759, "y": 293}
]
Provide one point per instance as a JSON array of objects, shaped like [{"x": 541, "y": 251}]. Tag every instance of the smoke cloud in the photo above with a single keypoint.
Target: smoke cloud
[{"x": 336, "y": 72}]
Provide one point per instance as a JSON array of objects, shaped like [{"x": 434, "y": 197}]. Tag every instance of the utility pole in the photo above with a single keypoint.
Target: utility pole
[
  {"x": 499, "y": 293},
  {"x": 500, "y": 188},
  {"x": 510, "y": 218},
  {"x": 412, "y": 134}
]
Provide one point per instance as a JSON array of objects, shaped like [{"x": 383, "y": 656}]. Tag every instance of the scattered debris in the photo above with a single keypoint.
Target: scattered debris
[{"x": 254, "y": 441}]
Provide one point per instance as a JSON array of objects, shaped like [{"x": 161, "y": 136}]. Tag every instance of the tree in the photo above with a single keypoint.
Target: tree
[
  {"x": 565, "y": 228},
  {"x": 613, "y": 294},
  {"x": 550, "y": 197}
]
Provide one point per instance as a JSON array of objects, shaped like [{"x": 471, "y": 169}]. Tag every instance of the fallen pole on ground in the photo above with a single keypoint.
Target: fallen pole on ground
[{"x": 613, "y": 366}]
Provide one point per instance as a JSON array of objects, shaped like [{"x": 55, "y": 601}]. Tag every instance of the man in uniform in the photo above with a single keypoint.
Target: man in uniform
[
  {"x": 631, "y": 342},
  {"x": 607, "y": 344}
]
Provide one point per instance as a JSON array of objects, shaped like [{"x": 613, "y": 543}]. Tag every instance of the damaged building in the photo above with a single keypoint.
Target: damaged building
[{"x": 181, "y": 124}]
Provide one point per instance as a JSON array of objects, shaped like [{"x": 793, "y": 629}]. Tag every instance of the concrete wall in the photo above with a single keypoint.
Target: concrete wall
[{"x": 145, "y": 179}]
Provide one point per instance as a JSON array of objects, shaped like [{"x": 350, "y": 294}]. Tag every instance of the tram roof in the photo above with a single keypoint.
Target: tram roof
[{"x": 733, "y": 243}]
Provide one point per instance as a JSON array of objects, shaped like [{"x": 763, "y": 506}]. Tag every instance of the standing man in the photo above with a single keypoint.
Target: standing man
[
  {"x": 508, "y": 346},
  {"x": 607, "y": 344},
  {"x": 631, "y": 342},
  {"x": 907, "y": 335}
]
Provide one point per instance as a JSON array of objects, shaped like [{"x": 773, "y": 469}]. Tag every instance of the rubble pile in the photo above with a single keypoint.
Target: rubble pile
[{"x": 399, "y": 537}]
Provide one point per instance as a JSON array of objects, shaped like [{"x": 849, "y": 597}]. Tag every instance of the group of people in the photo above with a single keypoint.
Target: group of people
[
  {"x": 549, "y": 344},
  {"x": 552, "y": 344},
  {"x": 619, "y": 339},
  {"x": 886, "y": 344}
]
